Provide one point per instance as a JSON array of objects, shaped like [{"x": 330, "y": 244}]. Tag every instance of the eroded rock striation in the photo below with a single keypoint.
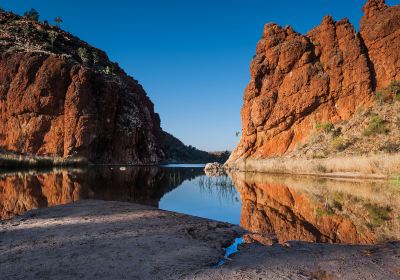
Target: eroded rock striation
[
  {"x": 324, "y": 76},
  {"x": 61, "y": 97}
]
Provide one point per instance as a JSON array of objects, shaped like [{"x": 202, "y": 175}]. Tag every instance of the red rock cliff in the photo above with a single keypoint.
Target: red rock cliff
[
  {"x": 61, "y": 97},
  {"x": 324, "y": 76}
]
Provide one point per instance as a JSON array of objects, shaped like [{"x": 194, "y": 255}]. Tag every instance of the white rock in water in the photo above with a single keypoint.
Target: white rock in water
[
  {"x": 214, "y": 169},
  {"x": 123, "y": 168}
]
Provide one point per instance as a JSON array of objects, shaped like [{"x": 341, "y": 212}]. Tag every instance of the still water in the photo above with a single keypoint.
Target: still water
[{"x": 274, "y": 208}]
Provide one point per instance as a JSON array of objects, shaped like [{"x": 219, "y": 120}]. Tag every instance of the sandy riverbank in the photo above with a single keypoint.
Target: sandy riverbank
[
  {"x": 114, "y": 240},
  {"x": 14, "y": 160},
  {"x": 362, "y": 167}
]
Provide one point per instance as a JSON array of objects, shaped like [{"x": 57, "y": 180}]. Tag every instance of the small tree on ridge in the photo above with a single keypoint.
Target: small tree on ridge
[
  {"x": 58, "y": 20},
  {"x": 32, "y": 14}
]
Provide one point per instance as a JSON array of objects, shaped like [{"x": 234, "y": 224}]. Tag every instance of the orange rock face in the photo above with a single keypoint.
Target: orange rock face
[
  {"x": 66, "y": 98},
  {"x": 324, "y": 76},
  {"x": 380, "y": 29}
]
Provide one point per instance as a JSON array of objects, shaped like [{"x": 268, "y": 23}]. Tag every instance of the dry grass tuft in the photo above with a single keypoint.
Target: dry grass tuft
[{"x": 10, "y": 160}]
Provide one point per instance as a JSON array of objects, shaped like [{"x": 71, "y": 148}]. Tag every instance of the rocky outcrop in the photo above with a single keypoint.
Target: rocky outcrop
[
  {"x": 214, "y": 169},
  {"x": 299, "y": 80},
  {"x": 380, "y": 30},
  {"x": 61, "y": 97}
]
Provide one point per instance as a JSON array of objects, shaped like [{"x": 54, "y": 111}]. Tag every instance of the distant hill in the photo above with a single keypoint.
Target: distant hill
[{"x": 178, "y": 152}]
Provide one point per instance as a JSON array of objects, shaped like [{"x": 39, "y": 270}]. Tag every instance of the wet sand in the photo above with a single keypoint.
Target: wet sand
[
  {"x": 310, "y": 261},
  {"x": 115, "y": 240}
]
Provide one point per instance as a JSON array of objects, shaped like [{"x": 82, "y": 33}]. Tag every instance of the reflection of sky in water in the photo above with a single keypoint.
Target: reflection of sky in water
[
  {"x": 211, "y": 198},
  {"x": 191, "y": 165},
  {"x": 230, "y": 250}
]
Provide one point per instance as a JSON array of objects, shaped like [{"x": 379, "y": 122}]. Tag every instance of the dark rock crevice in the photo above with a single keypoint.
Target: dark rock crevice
[{"x": 371, "y": 66}]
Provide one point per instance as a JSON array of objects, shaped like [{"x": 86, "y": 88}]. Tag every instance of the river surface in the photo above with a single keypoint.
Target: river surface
[{"x": 274, "y": 208}]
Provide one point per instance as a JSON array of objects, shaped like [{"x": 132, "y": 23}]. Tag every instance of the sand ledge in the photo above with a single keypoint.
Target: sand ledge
[{"x": 115, "y": 240}]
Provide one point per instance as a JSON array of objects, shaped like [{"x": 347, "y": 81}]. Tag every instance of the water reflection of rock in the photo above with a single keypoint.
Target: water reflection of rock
[
  {"x": 318, "y": 210},
  {"x": 23, "y": 191}
]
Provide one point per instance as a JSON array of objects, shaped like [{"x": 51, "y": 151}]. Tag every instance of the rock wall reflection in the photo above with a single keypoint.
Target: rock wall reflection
[
  {"x": 23, "y": 191},
  {"x": 284, "y": 208},
  {"x": 274, "y": 208}
]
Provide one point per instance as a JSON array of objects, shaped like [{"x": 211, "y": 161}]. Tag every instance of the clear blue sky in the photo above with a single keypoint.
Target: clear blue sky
[{"x": 191, "y": 56}]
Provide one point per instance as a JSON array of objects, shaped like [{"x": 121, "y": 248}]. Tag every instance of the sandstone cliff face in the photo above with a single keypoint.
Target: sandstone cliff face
[
  {"x": 380, "y": 30},
  {"x": 324, "y": 76},
  {"x": 61, "y": 97}
]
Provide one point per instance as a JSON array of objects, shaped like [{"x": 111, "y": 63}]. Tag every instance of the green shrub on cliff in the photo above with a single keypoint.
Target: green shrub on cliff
[
  {"x": 53, "y": 37},
  {"x": 338, "y": 143},
  {"x": 325, "y": 127},
  {"x": 394, "y": 87},
  {"x": 337, "y": 200},
  {"x": 107, "y": 70},
  {"x": 378, "y": 214},
  {"x": 376, "y": 126},
  {"x": 326, "y": 211},
  {"x": 96, "y": 58},
  {"x": 382, "y": 96},
  {"x": 389, "y": 93},
  {"x": 84, "y": 55}
]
